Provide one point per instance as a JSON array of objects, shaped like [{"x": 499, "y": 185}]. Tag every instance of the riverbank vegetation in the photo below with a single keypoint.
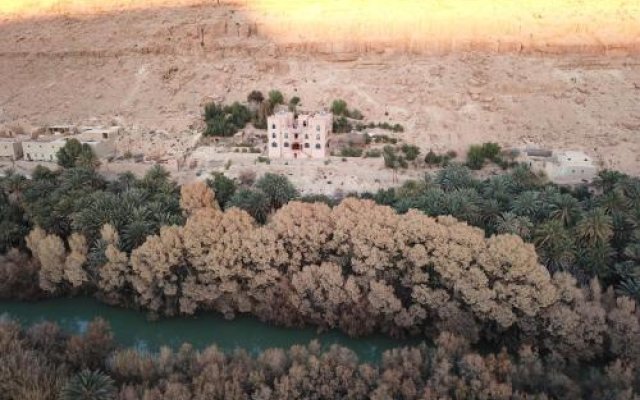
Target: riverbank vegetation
[
  {"x": 44, "y": 362},
  {"x": 376, "y": 262}
]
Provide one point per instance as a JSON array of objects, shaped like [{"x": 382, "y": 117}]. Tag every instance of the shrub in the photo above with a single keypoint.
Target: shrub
[
  {"x": 475, "y": 157},
  {"x": 339, "y": 108},
  {"x": 341, "y": 125},
  {"x": 318, "y": 198},
  {"x": 491, "y": 151},
  {"x": 432, "y": 158},
  {"x": 265, "y": 160},
  {"x": 225, "y": 120},
  {"x": 356, "y": 114},
  {"x": 387, "y": 126},
  {"x": 398, "y": 128},
  {"x": 410, "y": 151},
  {"x": 276, "y": 97},
  {"x": 351, "y": 152},
  {"x": 392, "y": 159},
  {"x": 478, "y": 154},
  {"x": 373, "y": 153},
  {"x": 255, "y": 96}
]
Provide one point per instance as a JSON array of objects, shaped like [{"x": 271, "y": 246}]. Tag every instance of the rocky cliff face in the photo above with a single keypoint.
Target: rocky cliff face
[
  {"x": 563, "y": 82},
  {"x": 354, "y": 27}
]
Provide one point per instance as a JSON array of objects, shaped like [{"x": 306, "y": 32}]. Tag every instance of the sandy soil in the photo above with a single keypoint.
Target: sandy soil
[{"x": 154, "y": 69}]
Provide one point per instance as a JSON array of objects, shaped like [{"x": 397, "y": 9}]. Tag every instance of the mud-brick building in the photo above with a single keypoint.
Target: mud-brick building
[{"x": 303, "y": 137}]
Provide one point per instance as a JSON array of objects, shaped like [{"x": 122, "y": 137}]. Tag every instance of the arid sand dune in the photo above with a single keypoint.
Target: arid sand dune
[{"x": 575, "y": 82}]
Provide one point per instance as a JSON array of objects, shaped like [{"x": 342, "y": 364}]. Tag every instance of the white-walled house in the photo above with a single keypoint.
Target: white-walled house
[
  {"x": 42, "y": 150},
  {"x": 304, "y": 137},
  {"x": 572, "y": 167},
  {"x": 562, "y": 167},
  {"x": 10, "y": 148}
]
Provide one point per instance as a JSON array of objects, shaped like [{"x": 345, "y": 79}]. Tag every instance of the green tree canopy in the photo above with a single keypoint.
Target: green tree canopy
[
  {"x": 278, "y": 188},
  {"x": 76, "y": 154}
]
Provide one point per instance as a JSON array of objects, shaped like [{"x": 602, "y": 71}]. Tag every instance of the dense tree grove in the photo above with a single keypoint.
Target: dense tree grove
[
  {"x": 451, "y": 259},
  {"x": 80, "y": 200},
  {"x": 43, "y": 362},
  {"x": 589, "y": 233}
]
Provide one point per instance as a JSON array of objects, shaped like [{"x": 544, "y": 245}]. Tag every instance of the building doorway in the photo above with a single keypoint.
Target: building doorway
[{"x": 296, "y": 146}]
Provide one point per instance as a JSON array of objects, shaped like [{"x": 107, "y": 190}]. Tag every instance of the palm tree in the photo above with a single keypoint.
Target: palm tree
[
  {"x": 595, "y": 227},
  {"x": 490, "y": 211},
  {"x": 81, "y": 179},
  {"x": 157, "y": 179},
  {"x": 596, "y": 259},
  {"x": 623, "y": 229},
  {"x": 14, "y": 185},
  {"x": 433, "y": 202},
  {"x": 565, "y": 208},
  {"x": 555, "y": 245},
  {"x": 509, "y": 222},
  {"x": 527, "y": 204},
  {"x": 629, "y": 287},
  {"x": 607, "y": 180},
  {"x": 464, "y": 205},
  {"x": 138, "y": 227},
  {"x": 89, "y": 385},
  {"x": 125, "y": 181},
  {"x": 501, "y": 188},
  {"x": 525, "y": 179},
  {"x": 454, "y": 177},
  {"x": 613, "y": 200}
]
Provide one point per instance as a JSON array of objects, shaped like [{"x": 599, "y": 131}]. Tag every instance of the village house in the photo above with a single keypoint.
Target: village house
[
  {"x": 45, "y": 148},
  {"x": 42, "y": 150},
  {"x": 562, "y": 167},
  {"x": 572, "y": 167},
  {"x": 305, "y": 136},
  {"x": 100, "y": 133},
  {"x": 10, "y": 148}
]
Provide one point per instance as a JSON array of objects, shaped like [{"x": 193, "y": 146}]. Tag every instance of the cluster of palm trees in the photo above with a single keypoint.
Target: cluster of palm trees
[
  {"x": 80, "y": 200},
  {"x": 588, "y": 231}
]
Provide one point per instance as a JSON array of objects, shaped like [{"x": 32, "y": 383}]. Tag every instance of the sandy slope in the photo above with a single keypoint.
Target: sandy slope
[{"x": 155, "y": 68}]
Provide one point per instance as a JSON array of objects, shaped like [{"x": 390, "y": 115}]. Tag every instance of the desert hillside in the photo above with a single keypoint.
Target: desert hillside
[{"x": 562, "y": 77}]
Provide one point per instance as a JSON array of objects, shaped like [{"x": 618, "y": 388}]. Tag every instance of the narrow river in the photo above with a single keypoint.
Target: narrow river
[{"x": 132, "y": 328}]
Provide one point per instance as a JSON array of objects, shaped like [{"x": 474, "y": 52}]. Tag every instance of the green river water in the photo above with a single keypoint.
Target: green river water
[{"x": 132, "y": 328}]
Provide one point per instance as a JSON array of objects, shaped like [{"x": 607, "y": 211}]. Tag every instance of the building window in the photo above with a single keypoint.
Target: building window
[
  {"x": 304, "y": 123},
  {"x": 286, "y": 144},
  {"x": 273, "y": 135},
  {"x": 318, "y": 146},
  {"x": 274, "y": 144},
  {"x": 306, "y": 145},
  {"x": 295, "y": 136},
  {"x": 286, "y": 136},
  {"x": 317, "y": 137},
  {"x": 318, "y": 128},
  {"x": 306, "y": 136},
  {"x": 273, "y": 126}
]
